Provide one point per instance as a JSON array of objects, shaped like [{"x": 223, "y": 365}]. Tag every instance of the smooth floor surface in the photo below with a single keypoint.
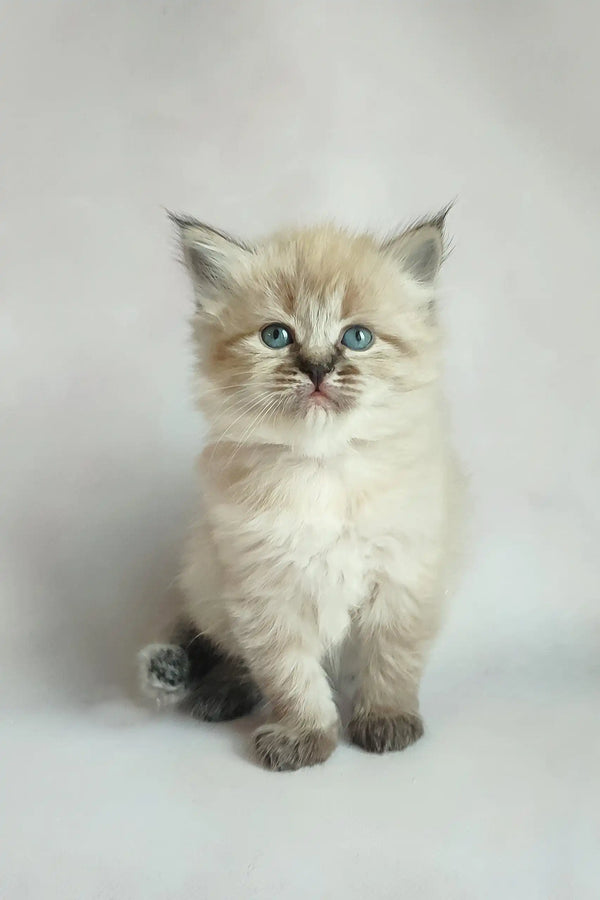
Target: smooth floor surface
[{"x": 250, "y": 115}]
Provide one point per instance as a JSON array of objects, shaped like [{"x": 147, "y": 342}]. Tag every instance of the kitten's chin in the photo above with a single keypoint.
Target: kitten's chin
[
  {"x": 318, "y": 407},
  {"x": 318, "y": 399}
]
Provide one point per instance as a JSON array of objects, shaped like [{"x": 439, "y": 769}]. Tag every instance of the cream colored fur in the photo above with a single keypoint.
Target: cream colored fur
[{"x": 321, "y": 522}]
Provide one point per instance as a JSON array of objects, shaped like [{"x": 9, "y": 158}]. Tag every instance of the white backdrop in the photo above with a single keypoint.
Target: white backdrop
[{"x": 250, "y": 115}]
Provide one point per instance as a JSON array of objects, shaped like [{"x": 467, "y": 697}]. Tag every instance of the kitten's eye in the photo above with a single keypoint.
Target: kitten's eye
[
  {"x": 276, "y": 336},
  {"x": 357, "y": 337}
]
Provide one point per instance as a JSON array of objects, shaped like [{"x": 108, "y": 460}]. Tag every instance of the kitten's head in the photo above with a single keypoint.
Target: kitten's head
[{"x": 314, "y": 334}]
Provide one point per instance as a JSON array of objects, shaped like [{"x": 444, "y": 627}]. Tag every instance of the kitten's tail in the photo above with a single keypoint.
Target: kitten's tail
[
  {"x": 192, "y": 675},
  {"x": 167, "y": 673}
]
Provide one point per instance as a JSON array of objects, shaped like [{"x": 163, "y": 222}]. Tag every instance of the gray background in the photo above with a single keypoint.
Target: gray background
[{"x": 250, "y": 115}]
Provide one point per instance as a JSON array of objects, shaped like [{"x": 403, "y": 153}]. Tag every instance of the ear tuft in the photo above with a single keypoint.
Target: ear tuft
[
  {"x": 420, "y": 248},
  {"x": 210, "y": 255}
]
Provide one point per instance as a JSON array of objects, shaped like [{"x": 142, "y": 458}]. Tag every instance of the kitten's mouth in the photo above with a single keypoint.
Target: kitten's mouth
[
  {"x": 319, "y": 397},
  {"x": 326, "y": 398},
  {"x": 321, "y": 400}
]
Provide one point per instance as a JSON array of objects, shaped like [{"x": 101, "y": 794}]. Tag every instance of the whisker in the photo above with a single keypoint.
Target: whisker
[
  {"x": 245, "y": 411},
  {"x": 235, "y": 386},
  {"x": 253, "y": 426}
]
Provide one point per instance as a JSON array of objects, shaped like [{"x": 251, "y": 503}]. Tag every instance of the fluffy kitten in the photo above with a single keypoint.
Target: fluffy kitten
[{"x": 330, "y": 494}]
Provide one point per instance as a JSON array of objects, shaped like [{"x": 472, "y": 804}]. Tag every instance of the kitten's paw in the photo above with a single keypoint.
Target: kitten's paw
[
  {"x": 379, "y": 733},
  {"x": 163, "y": 672},
  {"x": 284, "y": 749}
]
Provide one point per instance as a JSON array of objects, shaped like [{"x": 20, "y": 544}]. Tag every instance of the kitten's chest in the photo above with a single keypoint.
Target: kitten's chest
[
  {"x": 311, "y": 522},
  {"x": 320, "y": 539},
  {"x": 310, "y": 535}
]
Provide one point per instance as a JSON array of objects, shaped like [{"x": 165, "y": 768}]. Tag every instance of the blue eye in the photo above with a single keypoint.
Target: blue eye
[
  {"x": 276, "y": 336},
  {"x": 357, "y": 337}
]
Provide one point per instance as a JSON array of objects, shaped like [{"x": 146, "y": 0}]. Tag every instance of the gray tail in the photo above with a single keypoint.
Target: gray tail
[{"x": 193, "y": 675}]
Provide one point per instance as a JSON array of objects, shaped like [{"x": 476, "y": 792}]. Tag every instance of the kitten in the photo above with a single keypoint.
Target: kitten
[{"x": 331, "y": 497}]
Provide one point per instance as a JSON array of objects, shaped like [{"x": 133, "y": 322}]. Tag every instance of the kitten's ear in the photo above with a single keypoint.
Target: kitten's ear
[
  {"x": 211, "y": 256},
  {"x": 420, "y": 249}
]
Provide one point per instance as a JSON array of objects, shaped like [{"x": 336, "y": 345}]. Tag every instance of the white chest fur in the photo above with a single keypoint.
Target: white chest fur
[
  {"x": 294, "y": 534},
  {"x": 314, "y": 535}
]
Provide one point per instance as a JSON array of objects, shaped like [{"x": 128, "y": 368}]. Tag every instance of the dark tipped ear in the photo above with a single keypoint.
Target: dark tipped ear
[
  {"x": 211, "y": 256},
  {"x": 420, "y": 249}
]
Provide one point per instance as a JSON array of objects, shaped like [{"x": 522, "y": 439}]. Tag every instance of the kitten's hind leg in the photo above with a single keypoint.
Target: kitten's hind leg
[
  {"x": 203, "y": 655},
  {"x": 226, "y": 692}
]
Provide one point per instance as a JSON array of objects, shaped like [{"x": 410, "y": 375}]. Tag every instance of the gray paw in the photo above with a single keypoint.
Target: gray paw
[
  {"x": 164, "y": 671},
  {"x": 284, "y": 749},
  {"x": 379, "y": 733}
]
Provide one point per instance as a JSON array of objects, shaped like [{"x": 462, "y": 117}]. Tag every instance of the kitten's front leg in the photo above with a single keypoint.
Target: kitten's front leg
[
  {"x": 283, "y": 654},
  {"x": 393, "y": 634}
]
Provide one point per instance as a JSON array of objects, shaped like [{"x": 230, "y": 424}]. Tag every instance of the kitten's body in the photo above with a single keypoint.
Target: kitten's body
[{"x": 325, "y": 516}]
